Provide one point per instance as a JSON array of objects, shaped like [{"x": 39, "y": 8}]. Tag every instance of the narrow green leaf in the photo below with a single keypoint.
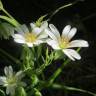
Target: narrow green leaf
[
  {"x": 2, "y": 93},
  {"x": 1, "y": 5},
  {"x": 6, "y": 30},
  {"x": 10, "y": 20}
]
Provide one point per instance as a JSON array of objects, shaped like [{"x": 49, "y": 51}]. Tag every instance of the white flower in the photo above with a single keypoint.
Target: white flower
[
  {"x": 35, "y": 36},
  {"x": 11, "y": 80},
  {"x": 62, "y": 42}
]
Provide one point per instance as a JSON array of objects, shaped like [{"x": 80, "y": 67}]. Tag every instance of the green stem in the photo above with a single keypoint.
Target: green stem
[
  {"x": 2, "y": 92},
  {"x": 47, "y": 62},
  {"x": 11, "y": 21},
  {"x": 59, "y": 70},
  {"x": 60, "y": 8},
  {"x": 11, "y": 18},
  {"x": 58, "y": 86},
  {"x": 7, "y": 13},
  {"x": 10, "y": 57}
]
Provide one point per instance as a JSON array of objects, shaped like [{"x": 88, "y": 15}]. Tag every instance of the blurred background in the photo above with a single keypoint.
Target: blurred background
[{"x": 80, "y": 74}]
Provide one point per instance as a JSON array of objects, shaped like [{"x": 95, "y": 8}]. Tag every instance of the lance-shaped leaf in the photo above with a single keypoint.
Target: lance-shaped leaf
[
  {"x": 1, "y": 5},
  {"x": 6, "y": 30}
]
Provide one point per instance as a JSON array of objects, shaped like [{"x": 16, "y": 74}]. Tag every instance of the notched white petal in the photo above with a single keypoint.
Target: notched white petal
[
  {"x": 53, "y": 44},
  {"x": 78, "y": 43},
  {"x": 72, "y": 33},
  {"x": 72, "y": 54},
  {"x": 24, "y": 28},
  {"x": 36, "y": 31},
  {"x": 17, "y": 36},
  {"x": 32, "y": 26},
  {"x": 54, "y": 30},
  {"x": 2, "y": 80},
  {"x": 42, "y": 35},
  {"x": 19, "y": 40},
  {"x": 29, "y": 44},
  {"x": 10, "y": 71},
  {"x": 20, "y": 75},
  {"x": 66, "y": 30},
  {"x": 44, "y": 25},
  {"x": 6, "y": 71},
  {"x": 51, "y": 35}
]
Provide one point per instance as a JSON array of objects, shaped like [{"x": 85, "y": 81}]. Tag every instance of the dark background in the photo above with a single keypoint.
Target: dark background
[{"x": 80, "y": 74}]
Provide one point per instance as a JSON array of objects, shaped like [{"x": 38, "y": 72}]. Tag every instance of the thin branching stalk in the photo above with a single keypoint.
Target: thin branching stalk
[
  {"x": 63, "y": 87},
  {"x": 10, "y": 56}
]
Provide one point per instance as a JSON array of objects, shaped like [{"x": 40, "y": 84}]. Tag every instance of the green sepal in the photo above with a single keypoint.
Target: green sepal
[
  {"x": 34, "y": 79},
  {"x": 59, "y": 55},
  {"x": 20, "y": 91},
  {"x": 37, "y": 92},
  {"x": 39, "y": 21}
]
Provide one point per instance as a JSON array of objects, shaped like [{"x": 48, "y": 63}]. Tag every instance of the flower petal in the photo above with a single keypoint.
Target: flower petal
[
  {"x": 38, "y": 42},
  {"x": 54, "y": 30},
  {"x": 53, "y": 44},
  {"x": 19, "y": 41},
  {"x": 78, "y": 43},
  {"x": 66, "y": 30},
  {"x": 72, "y": 54},
  {"x": 19, "y": 75},
  {"x": 32, "y": 25},
  {"x": 10, "y": 90},
  {"x": 24, "y": 28},
  {"x": 44, "y": 25},
  {"x": 8, "y": 71},
  {"x": 42, "y": 35},
  {"x": 2, "y": 80},
  {"x": 72, "y": 33},
  {"x": 51, "y": 35},
  {"x": 18, "y": 38},
  {"x": 19, "y": 30},
  {"x": 29, "y": 44},
  {"x": 36, "y": 31}
]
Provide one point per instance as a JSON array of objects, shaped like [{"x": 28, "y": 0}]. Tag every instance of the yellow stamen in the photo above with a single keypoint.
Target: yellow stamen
[
  {"x": 30, "y": 37},
  {"x": 11, "y": 80},
  {"x": 63, "y": 42}
]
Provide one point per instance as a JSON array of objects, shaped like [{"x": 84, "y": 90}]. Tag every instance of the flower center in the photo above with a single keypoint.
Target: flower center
[
  {"x": 30, "y": 37},
  {"x": 63, "y": 42},
  {"x": 11, "y": 80}
]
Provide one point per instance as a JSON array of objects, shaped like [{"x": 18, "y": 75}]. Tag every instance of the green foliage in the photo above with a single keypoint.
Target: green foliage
[
  {"x": 35, "y": 60},
  {"x": 2, "y": 93},
  {"x": 10, "y": 20},
  {"x": 39, "y": 21},
  {"x": 28, "y": 57},
  {"x": 59, "y": 55},
  {"x": 37, "y": 92},
  {"x": 34, "y": 79},
  {"x": 6, "y": 30},
  {"x": 20, "y": 91},
  {"x": 1, "y": 5}
]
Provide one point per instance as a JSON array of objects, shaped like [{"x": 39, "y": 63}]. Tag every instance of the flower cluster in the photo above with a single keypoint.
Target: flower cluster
[
  {"x": 42, "y": 45},
  {"x": 49, "y": 34}
]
